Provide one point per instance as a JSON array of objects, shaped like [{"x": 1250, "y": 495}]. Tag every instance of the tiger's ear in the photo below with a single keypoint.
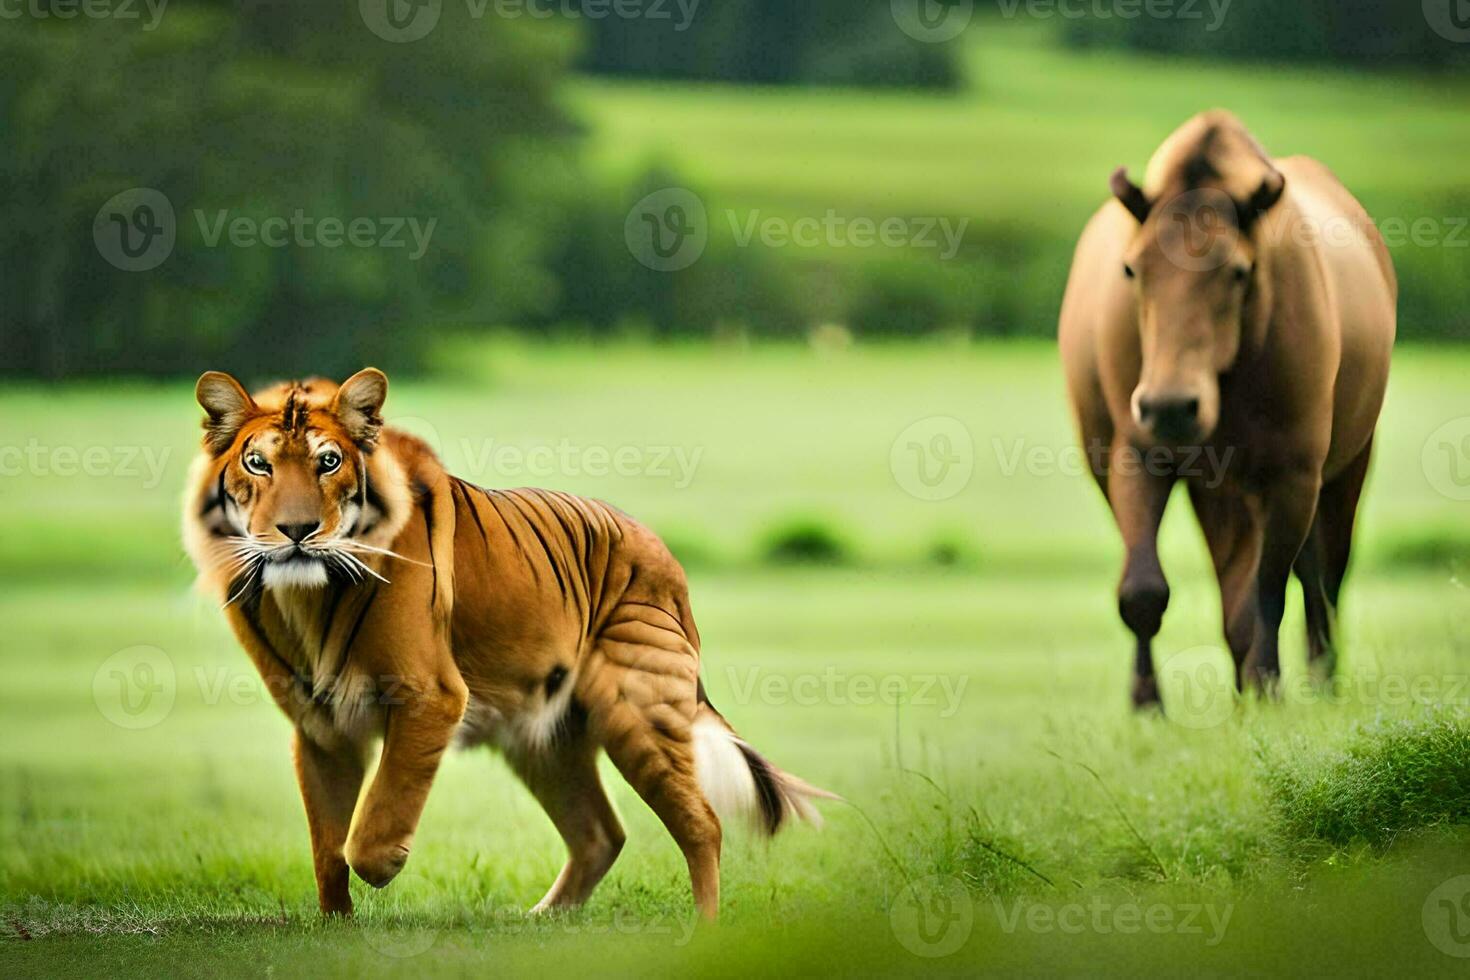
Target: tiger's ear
[
  {"x": 229, "y": 407},
  {"x": 359, "y": 403}
]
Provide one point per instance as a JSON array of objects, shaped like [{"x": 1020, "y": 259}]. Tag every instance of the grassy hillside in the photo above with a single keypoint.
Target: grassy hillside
[{"x": 1025, "y": 152}]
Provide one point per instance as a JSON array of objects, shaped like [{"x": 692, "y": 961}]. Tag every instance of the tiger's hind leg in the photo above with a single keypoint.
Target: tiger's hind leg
[
  {"x": 563, "y": 777},
  {"x": 642, "y": 695}
]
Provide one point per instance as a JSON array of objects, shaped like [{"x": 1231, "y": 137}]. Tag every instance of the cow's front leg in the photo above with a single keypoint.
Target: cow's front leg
[
  {"x": 1138, "y": 498},
  {"x": 1290, "y": 507},
  {"x": 330, "y": 778},
  {"x": 421, "y": 719}
]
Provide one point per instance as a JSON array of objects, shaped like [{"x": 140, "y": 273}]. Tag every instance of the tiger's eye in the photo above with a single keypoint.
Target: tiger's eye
[
  {"x": 328, "y": 462},
  {"x": 255, "y": 463}
]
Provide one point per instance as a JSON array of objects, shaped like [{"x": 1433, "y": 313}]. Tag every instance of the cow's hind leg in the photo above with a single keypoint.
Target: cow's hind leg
[
  {"x": 563, "y": 778},
  {"x": 642, "y": 696},
  {"x": 1337, "y": 513},
  {"x": 1311, "y": 573}
]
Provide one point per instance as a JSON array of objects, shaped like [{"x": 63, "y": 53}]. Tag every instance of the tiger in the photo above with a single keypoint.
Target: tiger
[{"x": 392, "y": 607}]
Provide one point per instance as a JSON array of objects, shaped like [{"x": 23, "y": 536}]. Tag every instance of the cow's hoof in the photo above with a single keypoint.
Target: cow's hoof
[{"x": 1146, "y": 695}]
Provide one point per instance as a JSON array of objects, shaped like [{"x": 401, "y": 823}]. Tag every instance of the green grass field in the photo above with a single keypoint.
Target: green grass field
[{"x": 973, "y": 714}]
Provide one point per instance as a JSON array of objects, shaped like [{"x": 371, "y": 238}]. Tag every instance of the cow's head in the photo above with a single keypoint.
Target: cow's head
[{"x": 1194, "y": 266}]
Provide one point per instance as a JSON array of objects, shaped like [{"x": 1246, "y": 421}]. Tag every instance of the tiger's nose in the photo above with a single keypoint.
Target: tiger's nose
[{"x": 298, "y": 532}]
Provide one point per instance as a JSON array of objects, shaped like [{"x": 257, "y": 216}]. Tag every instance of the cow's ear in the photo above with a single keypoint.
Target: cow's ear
[
  {"x": 359, "y": 404},
  {"x": 1267, "y": 195},
  {"x": 1130, "y": 194},
  {"x": 228, "y": 405}
]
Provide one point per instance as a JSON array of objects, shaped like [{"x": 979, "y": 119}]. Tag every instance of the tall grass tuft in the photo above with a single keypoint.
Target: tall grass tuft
[{"x": 1390, "y": 778}]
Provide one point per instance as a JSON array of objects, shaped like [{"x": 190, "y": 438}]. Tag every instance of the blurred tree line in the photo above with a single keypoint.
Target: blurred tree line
[
  {"x": 262, "y": 110},
  {"x": 769, "y": 42},
  {"x": 257, "y": 111},
  {"x": 1376, "y": 33}
]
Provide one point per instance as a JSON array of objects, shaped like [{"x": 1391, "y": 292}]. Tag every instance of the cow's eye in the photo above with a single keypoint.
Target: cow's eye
[
  {"x": 329, "y": 461},
  {"x": 255, "y": 463},
  {"x": 1128, "y": 271}
]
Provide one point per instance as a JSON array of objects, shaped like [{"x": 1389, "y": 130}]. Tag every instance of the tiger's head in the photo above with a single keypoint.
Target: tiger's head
[{"x": 293, "y": 488}]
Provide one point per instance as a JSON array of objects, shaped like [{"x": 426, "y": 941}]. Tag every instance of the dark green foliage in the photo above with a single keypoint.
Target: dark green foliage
[
  {"x": 1443, "y": 551},
  {"x": 806, "y": 541},
  {"x": 1390, "y": 778},
  {"x": 773, "y": 42},
  {"x": 1367, "y": 32},
  {"x": 256, "y": 113}
]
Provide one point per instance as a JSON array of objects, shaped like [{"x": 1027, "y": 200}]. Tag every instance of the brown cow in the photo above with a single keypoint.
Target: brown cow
[{"x": 1229, "y": 326}]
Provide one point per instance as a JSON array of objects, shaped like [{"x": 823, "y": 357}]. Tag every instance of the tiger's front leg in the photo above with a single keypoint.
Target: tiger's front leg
[
  {"x": 330, "y": 778},
  {"x": 420, "y": 723}
]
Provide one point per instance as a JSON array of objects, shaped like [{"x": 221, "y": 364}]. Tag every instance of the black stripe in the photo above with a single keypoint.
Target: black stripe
[
  {"x": 550, "y": 558},
  {"x": 332, "y": 601},
  {"x": 429, "y": 531},
  {"x": 474, "y": 513},
  {"x": 573, "y": 543},
  {"x": 352, "y": 636},
  {"x": 514, "y": 536}
]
